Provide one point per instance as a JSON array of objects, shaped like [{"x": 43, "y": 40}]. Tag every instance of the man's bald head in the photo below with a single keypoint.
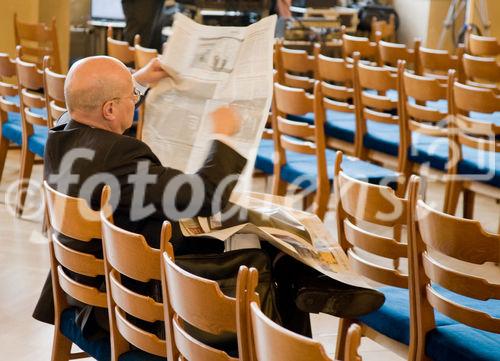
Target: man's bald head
[{"x": 93, "y": 81}]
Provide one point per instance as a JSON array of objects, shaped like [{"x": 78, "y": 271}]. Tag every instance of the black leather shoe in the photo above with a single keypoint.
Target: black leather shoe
[{"x": 338, "y": 299}]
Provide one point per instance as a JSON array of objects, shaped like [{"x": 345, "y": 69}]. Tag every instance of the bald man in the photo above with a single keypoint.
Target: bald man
[{"x": 89, "y": 150}]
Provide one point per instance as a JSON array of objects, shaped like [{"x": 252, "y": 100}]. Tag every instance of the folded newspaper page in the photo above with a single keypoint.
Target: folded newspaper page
[
  {"x": 210, "y": 67},
  {"x": 299, "y": 234}
]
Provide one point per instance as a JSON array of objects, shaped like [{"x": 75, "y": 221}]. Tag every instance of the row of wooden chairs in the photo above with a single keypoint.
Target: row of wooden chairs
[{"x": 187, "y": 300}]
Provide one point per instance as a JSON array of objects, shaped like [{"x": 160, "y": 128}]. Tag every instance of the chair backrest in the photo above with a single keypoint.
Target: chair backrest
[
  {"x": 53, "y": 84},
  {"x": 432, "y": 231},
  {"x": 371, "y": 84},
  {"x": 29, "y": 84},
  {"x": 358, "y": 201},
  {"x": 468, "y": 129},
  {"x": 386, "y": 29},
  {"x": 436, "y": 62},
  {"x": 415, "y": 92},
  {"x": 119, "y": 49},
  {"x": 272, "y": 342},
  {"x": 38, "y": 40},
  {"x": 482, "y": 71},
  {"x": 8, "y": 91},
  {"x": 127, "y": 254},
  {"x": 367, "y": 49},
  {"x": 72, "y": 217},
  {"x": 142, "y": 55},
  {"x": 481, "y": 45},
  {"x": 391, "y": 53},
  {"x": 200, "y": 303},
  {"x": 296, "y": 68}
]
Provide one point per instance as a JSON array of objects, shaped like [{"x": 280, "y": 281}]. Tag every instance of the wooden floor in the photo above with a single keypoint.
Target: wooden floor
[{"x": 24, "y": 264}]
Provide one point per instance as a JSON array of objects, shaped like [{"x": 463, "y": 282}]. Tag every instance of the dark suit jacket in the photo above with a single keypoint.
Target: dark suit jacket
[{"x": 119, "y": 155}]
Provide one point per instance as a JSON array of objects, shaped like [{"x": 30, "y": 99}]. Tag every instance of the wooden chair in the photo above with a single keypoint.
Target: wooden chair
[
  {"x": 10, "y": 118},
  {"x": 272, "y": 342},
  {"x": 301, "y": 156},
  {"x": 336, "y": 82},
  {"x": 367, "y": 49},
  {"x": 72, "y": 217},
  {"x": 199, "y": 303},
  {"x": 474, "y": 146},
  {"x": 391, "y": 53},
  {"x": 424, "y": 123},
  {"x": 386, "y": 29},
  {"x": 34, "y": 122},
  {"x": 452, "y": 285},
  {"x": 482, "y": 71},
  {"x": 127, "y": 254},
  {"x": 38, "y": 40},
  {"x": 481, "y": 45},
  {"x": 53, "y": 84},
  {"x": 119, "y": 49},
  {"x": 296, "y": 68},
  {"x": 436, "y": 63},
  {"x": 360, "y": 206},
  {"x": 376, "y": 96}
]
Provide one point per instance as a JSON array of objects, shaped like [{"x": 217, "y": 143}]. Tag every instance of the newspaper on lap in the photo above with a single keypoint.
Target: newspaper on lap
[
  {"x": 299, "y": 234},
  {"x": 211, "y": 66}
]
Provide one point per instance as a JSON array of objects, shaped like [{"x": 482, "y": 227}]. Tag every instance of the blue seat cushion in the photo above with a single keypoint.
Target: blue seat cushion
[
  {"x": 480, "y": 165},
  {"x": 338, "y": 125},
  {"x": 429, "y": 150},
  {"x": 36, "y": 142},
  {"x": 302, "y": 170},
  {"x": 12, "y": 128},
  {"x": 138, "y": 355},
  {"x": 382, "y": 137},
  {"x": 462, "y": 343},
  {"x": 264, "y": 159},
  {"x": 100, "y": 349}
]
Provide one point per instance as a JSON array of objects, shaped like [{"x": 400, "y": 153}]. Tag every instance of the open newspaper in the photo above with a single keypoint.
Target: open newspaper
[
  {"x": 299, "y": 234},
  {"x": 211, "y": 66}
]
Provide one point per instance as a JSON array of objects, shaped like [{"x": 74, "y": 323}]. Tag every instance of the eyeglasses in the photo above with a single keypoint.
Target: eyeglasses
[{"x": 136, "y": 96}]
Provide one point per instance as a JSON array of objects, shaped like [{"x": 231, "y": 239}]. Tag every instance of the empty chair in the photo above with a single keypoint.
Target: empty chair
[
  {"x": 391, "y": 53},
  {"x": 38, "y": 40},
  {"x": 295, "y": 67},
  {"x": 436, "y": 63},
  {"x": 271, "y": 342},
  {"x": 474, "y": 146},
  {"x": 361, "y": 208},
  {"x": 199, "y": 310},
  {"x": 119, "y": 49},
  {"x": 482, "y": 71},
  {"x": 53, "y": 84},
  {"x": 301, "y": 156},
  {"x": 481, "y": 45},
  {"x": 10, "y": 118},
  {"x": 70, "y": 269},
  {"x": 446, "y": 259},
  {"x": 367, "y": 49},
  {"x": 128, "y": 256},
  {"x": 34, "y": 122},
  {"x": 424, "y": 123},
  {"x": 386, "y": 29}
]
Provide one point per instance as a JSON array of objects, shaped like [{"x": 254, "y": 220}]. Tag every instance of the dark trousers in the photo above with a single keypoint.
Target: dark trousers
[{"x": 143, "y": 17}]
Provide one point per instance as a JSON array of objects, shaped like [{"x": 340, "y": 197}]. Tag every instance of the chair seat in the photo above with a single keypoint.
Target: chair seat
[
  {"x": 462, "y": 343},
  {"x": 393, "y": 321},
  {"x": 480, "y": 166},
  {"x": 12, "y": 128},
  {"x": 301, "y": 170},
  {"x": 432, "y": 151},
  {"x": 99, "y": 349},
  {"x": 382, "y": 137},
  {"x": 265, "y": 154},
  {"x": 36, "y": 142},
  {"x": 338, "y": 125},
  {"x": 138, "y": 355}
]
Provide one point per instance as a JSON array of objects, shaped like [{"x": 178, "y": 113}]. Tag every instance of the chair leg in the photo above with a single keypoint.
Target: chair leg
[
  {"x": 61, "y": 346},
  {"x": 468, "y": 206},
  {"x": 27, "y": 161},
  {"x": 344, "y": 325},
  {"x": 4, "y": 147},
  {"x": 279, "y": 187},
  {"x": 452, "y": 194}
]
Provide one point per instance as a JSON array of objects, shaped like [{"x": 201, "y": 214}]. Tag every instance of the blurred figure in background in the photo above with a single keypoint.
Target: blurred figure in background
[{"x": 143, "y": 17}]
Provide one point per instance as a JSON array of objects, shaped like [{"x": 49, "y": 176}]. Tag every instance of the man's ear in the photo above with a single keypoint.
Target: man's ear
[{"x": 108, "y": 110}]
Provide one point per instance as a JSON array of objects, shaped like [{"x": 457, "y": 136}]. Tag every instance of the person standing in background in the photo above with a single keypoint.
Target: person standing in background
[{"x": 143, "y": 17}]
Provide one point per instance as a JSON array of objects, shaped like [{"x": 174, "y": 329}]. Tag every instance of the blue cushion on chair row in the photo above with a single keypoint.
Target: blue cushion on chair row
[
  {"x": 265, "y": 155},
  {"x": 301, "y": 170},
  {"x": 36, "y": 142},
  {"x": 392, "y": 319}
]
